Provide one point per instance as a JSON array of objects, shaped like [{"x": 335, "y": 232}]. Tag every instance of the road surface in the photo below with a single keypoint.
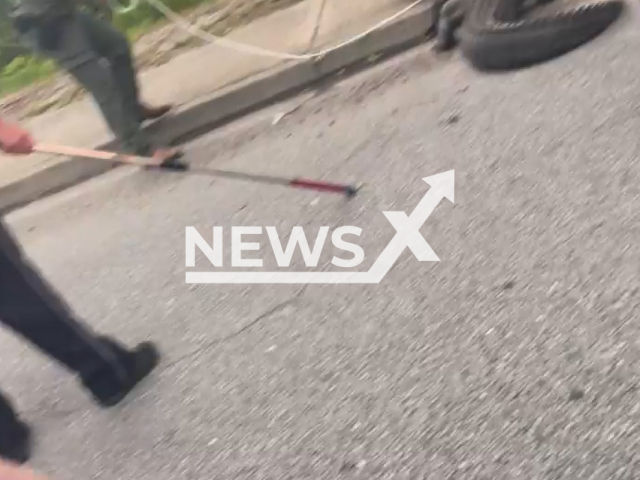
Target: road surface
[{"x": 515, "y": 357}]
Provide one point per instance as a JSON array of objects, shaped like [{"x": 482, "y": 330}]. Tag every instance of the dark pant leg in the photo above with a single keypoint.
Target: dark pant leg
[
  {"x": 77, "y": 52},
  {"x": 113, "y": 45},
  {"x": 125, "y": 124},
  {"x": 30, "y": 308}
]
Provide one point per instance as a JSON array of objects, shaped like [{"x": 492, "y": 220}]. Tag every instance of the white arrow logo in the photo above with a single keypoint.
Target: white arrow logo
[{"x": 407, "y": 236}]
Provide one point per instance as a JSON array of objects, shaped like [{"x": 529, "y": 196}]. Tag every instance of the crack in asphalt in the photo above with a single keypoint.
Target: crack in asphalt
[{"x": 218, "y": 341}]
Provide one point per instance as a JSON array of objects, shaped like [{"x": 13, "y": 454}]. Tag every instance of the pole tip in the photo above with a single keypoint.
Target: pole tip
[
  {"x": 175, "y": 164},
  {"x": 351, "y": 190}
]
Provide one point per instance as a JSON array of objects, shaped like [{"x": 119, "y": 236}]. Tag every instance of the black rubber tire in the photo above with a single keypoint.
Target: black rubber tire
[{"x": 535, "y": 41}]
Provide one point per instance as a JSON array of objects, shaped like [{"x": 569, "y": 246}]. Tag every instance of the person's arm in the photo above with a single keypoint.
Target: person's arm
[
  {"x": 14, "y": 139},
  {"x": 11, "y": 471}
]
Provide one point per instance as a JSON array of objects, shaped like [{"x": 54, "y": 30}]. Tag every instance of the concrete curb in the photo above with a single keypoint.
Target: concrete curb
[{"x": 229, "y": 103}]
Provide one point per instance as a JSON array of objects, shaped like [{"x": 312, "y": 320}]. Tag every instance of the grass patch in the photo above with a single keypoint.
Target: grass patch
[{"x": 24, "y": 71}]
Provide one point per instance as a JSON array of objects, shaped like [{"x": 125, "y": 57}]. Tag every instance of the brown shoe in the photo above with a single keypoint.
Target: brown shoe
[{"x": 153, "y": 113}]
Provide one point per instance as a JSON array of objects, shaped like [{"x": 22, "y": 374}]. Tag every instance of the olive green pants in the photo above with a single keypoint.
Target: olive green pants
[{"x": 99, "y": 57}]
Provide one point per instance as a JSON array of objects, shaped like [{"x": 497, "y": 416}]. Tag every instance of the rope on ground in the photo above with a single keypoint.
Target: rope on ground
[{"x": 246, "y": 48}]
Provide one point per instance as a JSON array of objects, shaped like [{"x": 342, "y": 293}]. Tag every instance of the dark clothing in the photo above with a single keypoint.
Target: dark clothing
[
  {"x": 99, "y": 57},
  {"x": 30, "y": 308}
]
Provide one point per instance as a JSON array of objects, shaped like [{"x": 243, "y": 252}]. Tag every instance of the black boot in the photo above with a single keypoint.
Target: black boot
[
  {"x": 15, "y": 443},
  {"x": 15, "y": 435},
  {"x": 138, "y": 364}
]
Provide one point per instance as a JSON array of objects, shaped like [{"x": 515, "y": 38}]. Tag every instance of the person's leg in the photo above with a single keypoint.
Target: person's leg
[
  {"x": 112, "y": 45},
  {"x": 74, "y": 52},
  {"x": 30, "y": 307},
  {"x": 14, "y": 434},
  {"x": 65, "y": 42},
  {"x": 123, "y": 122}
]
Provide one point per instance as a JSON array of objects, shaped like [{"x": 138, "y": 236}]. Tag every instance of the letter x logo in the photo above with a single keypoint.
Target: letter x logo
[
  {"x": 408, "y": 227},
  {"x": 408, "y": 235}
]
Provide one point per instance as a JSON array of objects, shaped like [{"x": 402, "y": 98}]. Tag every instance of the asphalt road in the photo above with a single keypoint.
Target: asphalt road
[{"x": 515, "y": 357}]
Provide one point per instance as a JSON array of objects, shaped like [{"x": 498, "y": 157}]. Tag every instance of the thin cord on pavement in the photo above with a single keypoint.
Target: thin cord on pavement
[{"x": 246, "y": 48}]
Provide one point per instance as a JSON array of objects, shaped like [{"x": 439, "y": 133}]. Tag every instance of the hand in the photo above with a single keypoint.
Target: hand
[
  {"x": 15, "y": 140},
  {"x": 11, "y": 471}
]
